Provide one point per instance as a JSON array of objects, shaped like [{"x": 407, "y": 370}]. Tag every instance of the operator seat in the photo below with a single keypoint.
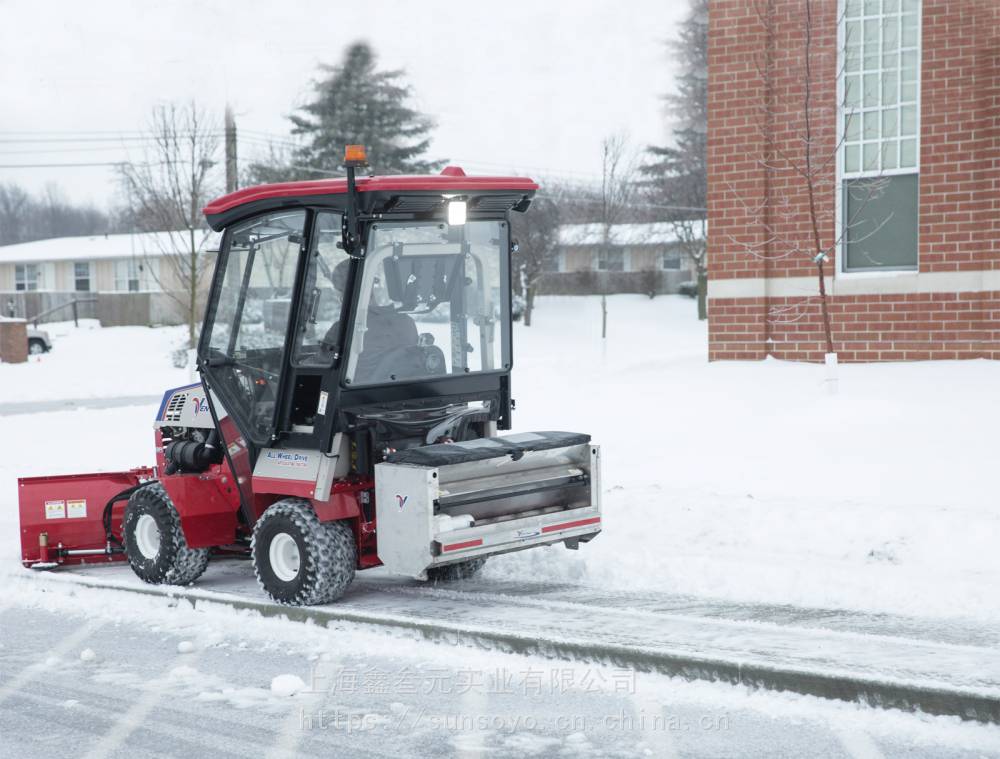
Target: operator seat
[{"x": 388, "y": 337}]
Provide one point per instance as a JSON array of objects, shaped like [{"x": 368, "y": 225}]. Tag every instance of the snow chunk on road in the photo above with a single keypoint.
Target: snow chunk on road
[
  {"x": 185, "y": 647},
  {"x": 287, "y": 685},
  {"x": 88, "y": 654}
]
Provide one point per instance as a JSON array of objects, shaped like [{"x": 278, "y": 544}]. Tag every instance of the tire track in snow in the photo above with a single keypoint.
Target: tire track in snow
[
  {"x": 858, "y": 744},
  {"x": 136, "y": 714},
  {"x": 64, "y": 646},
  {"x": 651, "y": 718}
]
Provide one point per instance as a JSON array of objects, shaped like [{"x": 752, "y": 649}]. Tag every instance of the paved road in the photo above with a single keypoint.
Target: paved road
[
  {"x": 952, "y": 656},
  {"x": 367, "y": 694}
]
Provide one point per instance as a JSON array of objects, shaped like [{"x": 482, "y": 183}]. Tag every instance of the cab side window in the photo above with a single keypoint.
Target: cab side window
[
  {"x": 250, "y": 320},
  {"x": 323, "y": 295}
]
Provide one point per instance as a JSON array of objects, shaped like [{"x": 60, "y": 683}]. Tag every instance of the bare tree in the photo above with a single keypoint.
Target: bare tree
[
  {"x": 692, "y": 240},
  {"x": 14, "y": 206},
  {"x": 619, "y": 187},
  {"x": 537, "y": 236},
  {"x": 25, "y": 217},
  {"x": 166, "y": 191},
  {"x": 802, "y": 167}
]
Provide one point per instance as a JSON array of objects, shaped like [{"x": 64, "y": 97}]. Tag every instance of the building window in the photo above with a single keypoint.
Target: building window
[
  {"x": 880, "y": 131},
  {"x": 611, "y": 260},
  {"x": 670, "y": 260},
  {"x": 134, "y": 275},
  {"x": 27, "y": 277},
  {"x": 81, "y": 276}
]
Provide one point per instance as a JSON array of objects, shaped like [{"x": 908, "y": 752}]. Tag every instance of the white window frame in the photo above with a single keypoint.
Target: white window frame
[
  {"x": 146, "y": 277},
  {"x": 28, "y": 284},
  {"x": 89, "y": 277},
  {"x": 673, "y": 251},
  {"x": 626, "y": 262},
  {"x": 841, "y": 267}
]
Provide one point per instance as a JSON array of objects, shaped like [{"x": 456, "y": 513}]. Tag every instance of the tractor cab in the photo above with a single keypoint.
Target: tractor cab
[{"x": 361, "y": 302}]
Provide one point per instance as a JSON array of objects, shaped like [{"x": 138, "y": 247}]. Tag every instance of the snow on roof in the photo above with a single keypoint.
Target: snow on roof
[
  {"x": 98, "y": 247},
  {"x": 621, "y": 234}
]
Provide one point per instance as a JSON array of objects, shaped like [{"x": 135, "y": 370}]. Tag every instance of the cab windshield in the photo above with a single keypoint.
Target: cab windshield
[{"x": 433, "y": 302}]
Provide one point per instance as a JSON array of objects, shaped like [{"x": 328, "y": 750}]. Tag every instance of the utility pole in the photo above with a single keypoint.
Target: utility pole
[{"x": 231, "y": 177}]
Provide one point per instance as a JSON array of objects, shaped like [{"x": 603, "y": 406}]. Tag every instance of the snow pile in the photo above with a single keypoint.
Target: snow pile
[{"x": 287, "y": 685}]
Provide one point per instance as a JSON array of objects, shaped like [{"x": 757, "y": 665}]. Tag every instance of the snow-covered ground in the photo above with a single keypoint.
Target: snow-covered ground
[
  {"x": 740, "y": 481},
  {"x": 90, "y": 362},
  {"x": 748, "y": 481}
]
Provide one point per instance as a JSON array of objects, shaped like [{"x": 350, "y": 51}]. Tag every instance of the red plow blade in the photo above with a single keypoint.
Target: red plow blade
[{"x": 62, "y": 516}]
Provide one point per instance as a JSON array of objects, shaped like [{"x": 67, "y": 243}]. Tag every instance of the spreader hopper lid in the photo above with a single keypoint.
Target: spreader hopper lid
[{"x": 443, "y": 454}]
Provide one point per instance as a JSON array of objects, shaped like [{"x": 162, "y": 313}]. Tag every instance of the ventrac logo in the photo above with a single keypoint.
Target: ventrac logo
[
  {"x": 401, "y": 500},
  {"x": 200, "y": 405}
]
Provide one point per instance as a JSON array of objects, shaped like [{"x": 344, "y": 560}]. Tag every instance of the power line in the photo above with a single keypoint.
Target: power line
[
  {"x": 37, "y": 151},
  {"x": 119, "y": 138},
  {"x": 57, "y": 165}
]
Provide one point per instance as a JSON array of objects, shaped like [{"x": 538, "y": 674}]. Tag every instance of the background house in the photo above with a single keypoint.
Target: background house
[
  {"x": 120, "y": 279},
  {"x": 635, "y": 258},
  {"x": 904, "y": 100}
]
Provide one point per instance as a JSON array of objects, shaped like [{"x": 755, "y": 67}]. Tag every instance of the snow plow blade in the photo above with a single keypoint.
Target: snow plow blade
[
  {"x": 442, "y": 504},
  {"x": 62, "y": 517}
]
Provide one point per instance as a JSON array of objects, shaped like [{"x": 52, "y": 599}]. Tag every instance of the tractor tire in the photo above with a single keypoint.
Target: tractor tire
[
  {"x": 154, "y": 541},
  {"x": 36, "y": 347},
  {"x": 298, "y": 560},
  {"x": 452, "y": 572}
]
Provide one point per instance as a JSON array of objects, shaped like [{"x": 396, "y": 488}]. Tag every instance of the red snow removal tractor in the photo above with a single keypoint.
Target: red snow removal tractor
[{"x": 355, "y": 364}]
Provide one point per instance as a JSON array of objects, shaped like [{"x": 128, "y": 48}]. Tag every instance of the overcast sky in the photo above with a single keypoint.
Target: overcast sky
[{"x": 529, "y": 85}]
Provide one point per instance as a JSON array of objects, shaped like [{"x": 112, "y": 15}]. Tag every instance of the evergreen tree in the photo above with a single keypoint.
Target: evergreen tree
[
  {"x": 356, "y": 103},
  {"x": 678, "y": 173}
]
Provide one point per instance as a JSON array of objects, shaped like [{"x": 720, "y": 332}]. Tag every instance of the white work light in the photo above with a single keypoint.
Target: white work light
[{"x": 456, "y": 212}]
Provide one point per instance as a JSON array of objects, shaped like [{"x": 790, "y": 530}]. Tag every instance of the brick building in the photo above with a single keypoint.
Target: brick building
[{"x": 903, "y": 132}]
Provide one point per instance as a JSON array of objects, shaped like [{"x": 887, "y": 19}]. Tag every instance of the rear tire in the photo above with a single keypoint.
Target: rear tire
[
  {"x": 299, "y": 560},
  {"x": 36, "y": 347},
  {"x": 154, "y": 541},
  {"x": 452, "y": 572}
]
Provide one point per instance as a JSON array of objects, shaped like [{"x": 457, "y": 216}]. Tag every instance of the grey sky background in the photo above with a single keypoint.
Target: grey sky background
[{"x": 521, "y": 85}]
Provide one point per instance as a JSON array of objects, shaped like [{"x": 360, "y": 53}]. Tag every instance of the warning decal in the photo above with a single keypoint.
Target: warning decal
[
  {"x": 76, "y": 509},
  {"x": 55, "y": 509}
]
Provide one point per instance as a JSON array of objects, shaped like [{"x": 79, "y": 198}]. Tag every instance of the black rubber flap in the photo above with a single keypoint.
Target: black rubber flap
[{"x": 516, "y": 445}]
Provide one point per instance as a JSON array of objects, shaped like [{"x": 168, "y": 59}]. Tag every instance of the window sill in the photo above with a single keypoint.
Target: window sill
[{"x": 877, "y": 274}]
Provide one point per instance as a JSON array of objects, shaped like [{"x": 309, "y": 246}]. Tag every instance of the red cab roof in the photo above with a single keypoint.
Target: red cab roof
[{"x": 451, "y": 179}]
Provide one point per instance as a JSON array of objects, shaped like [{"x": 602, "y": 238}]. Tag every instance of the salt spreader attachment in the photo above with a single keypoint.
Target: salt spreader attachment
[{"x": 355, "y": 366}]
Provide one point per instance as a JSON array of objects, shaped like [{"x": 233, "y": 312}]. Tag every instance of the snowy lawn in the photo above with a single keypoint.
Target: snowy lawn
[
  {"x": 742, "y": 481},
  {"x": 747, "y": 481},
  {"x": 90, "y": 362}
]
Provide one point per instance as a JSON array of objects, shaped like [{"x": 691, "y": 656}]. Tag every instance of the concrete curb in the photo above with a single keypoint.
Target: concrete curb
[{"x": 842, "y": 686}]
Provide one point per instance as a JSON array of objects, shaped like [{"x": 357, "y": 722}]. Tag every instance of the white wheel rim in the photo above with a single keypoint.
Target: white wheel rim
[
  {"x": 283, "y": 555},
  {"x": 34, "y": 349},
  {"x": 147, "y": 536}
]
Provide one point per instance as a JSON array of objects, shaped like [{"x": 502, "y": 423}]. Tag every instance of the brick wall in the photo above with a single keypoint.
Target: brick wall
[
  {"x": 896, "y": 327},
  {"x": 13, "y": 341},
  {"x": 763, "y": 290}
]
